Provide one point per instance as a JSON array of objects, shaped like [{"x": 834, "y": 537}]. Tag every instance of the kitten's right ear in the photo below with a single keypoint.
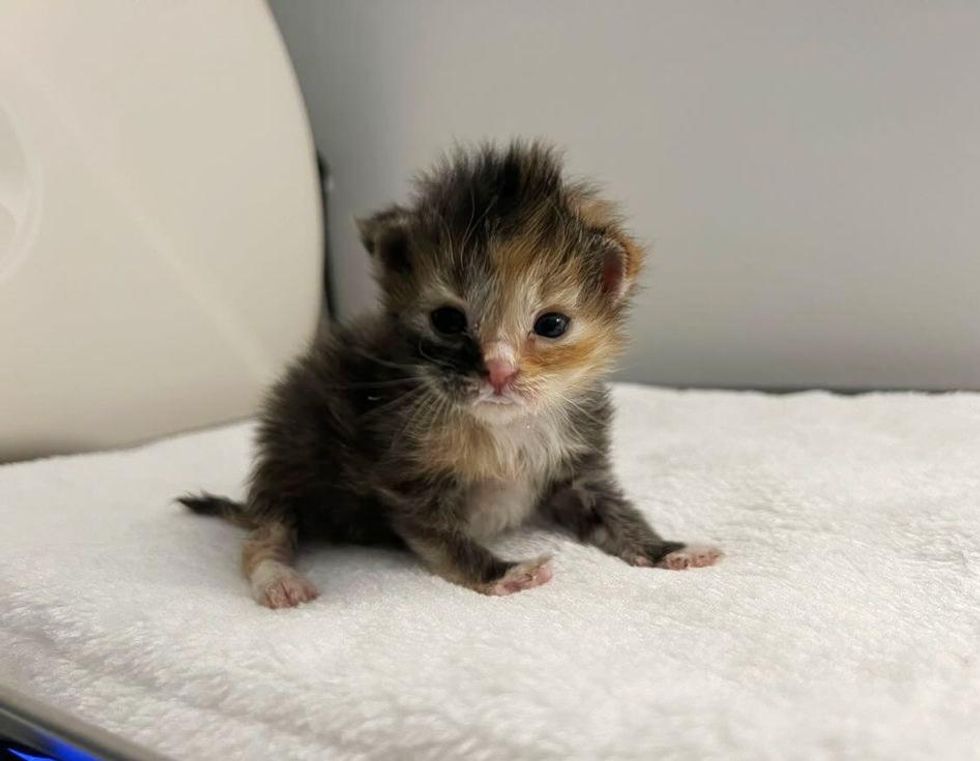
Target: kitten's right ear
[{"x": 385, "y": 236}]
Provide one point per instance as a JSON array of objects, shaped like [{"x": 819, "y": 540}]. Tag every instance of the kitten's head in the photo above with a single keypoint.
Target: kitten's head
[{"x": 511, "y": 284}]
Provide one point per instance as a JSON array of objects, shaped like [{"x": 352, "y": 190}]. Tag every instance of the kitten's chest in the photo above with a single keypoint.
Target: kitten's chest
[
  {"x": 522, "y": 452},
  {"x": 512, "y": 467},
  {"x": 497, "y": 505}
]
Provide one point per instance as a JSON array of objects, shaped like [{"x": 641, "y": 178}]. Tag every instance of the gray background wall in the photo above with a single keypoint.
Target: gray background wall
[{"x": 808, "y": 174}]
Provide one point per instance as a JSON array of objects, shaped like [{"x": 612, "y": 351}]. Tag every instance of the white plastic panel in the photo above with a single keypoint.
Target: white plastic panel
[{"x": 160, "y": 235}]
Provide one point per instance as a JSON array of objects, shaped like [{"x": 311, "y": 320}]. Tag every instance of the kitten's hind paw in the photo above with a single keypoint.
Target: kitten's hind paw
[
  {"x": 281, "y": 587},
  {"x": 526, "y": 575},
  {"x": 690, "y": 556}
]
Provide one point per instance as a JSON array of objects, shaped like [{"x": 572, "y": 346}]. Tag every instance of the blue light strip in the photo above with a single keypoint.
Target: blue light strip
[
  {"x": 65, "y": 752},
  {"x": 28, "y": 756},
  {"x": 56, "y": 751}
]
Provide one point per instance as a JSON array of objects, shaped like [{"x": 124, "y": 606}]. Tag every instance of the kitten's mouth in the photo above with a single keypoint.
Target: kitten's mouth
[
  {"x": 510, "y": 397},
  {"x": 492, "y": 406},
  {"x": 493, "y": 399}
]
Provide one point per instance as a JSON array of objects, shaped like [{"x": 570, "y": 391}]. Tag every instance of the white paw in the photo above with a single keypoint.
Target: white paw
[
  {"x": 275, "y": 585},
  {"x": 690, "y": 556},
  {"x": 527, "y": 575}
]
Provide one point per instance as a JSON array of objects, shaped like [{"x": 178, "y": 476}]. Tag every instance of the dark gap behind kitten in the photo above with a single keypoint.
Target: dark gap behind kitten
[{"x": 475, "y": 398}]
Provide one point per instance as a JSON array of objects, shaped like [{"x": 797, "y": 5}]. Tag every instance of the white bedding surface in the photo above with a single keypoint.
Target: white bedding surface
[{"x": 843, "y": 623}]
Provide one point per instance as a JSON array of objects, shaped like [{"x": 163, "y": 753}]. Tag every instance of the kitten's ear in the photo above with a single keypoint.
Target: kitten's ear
[
  {"x": 621, "y": 264},
  {"x": 622, "y": 256},
  {"x": 385, "y": 236}
]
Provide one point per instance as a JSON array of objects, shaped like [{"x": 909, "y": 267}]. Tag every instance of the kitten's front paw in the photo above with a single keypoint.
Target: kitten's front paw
[
  {"x": 283, "y": 588},
  {"x": 690, "y": 556},
  {"x": 532, "y": 573}
]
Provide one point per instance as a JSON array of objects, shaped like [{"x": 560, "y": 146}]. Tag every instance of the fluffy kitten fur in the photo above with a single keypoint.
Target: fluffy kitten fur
[{"x": 437, "y": 431}]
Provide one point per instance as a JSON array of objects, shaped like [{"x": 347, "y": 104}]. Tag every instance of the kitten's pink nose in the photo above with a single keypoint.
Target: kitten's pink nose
[{"x": 500, "y": 373}]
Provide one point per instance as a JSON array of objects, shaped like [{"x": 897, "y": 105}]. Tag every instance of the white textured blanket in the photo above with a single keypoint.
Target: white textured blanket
[{"x": 844, "y": 622}]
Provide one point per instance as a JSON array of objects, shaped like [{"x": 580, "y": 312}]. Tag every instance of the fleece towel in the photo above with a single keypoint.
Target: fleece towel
[{"x": 844, "y": 622}]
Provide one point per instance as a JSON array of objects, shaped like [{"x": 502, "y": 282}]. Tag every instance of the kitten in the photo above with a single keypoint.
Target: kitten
[{"x": 472, "y": 402}]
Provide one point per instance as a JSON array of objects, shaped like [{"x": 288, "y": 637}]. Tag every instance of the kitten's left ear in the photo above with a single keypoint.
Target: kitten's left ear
[
  {"x": 385, "y": 236},
  {"x": 622, "y": 256},
  {"x": 621, "y": 264}
]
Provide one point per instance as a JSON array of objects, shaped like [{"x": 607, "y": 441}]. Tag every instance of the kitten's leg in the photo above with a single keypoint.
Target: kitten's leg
[
  {"x": 596, "y": 511},
  {"x": 267, "y": 561},
  {"x": 459, "y": 559}
]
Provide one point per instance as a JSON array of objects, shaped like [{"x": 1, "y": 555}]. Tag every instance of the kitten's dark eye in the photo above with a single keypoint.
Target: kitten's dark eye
[
  {"x": 551, "y": 325},
  {"x": 449, "y": 321}
]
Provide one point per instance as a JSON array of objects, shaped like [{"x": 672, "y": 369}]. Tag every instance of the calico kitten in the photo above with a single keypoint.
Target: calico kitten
[{"x": 473, "y": 400}]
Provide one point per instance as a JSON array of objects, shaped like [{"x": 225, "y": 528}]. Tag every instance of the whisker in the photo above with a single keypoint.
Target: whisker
[
  {"x": 434, "y": 360},
  {"x": 392, "y": 402},
  {"x": 417, "y": 412},
  {"x": 581, "y": 409},
  {"x": 374, "y": 384},
  {"x": 385, "y": 362}
]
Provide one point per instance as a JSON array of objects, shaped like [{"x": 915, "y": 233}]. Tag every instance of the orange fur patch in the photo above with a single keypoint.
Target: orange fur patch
[
  {"x": 532, "y": 280},
  {"x": 591, "y": 352}
]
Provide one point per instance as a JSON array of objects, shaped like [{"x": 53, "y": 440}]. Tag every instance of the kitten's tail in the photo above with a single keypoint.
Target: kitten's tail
[{"x": 220, "y": 507}]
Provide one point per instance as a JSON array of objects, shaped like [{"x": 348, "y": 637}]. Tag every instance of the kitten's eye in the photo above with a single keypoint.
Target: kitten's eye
[
  {"x": 551, "y": 325},
  {"x": 449, "y": 321}
]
